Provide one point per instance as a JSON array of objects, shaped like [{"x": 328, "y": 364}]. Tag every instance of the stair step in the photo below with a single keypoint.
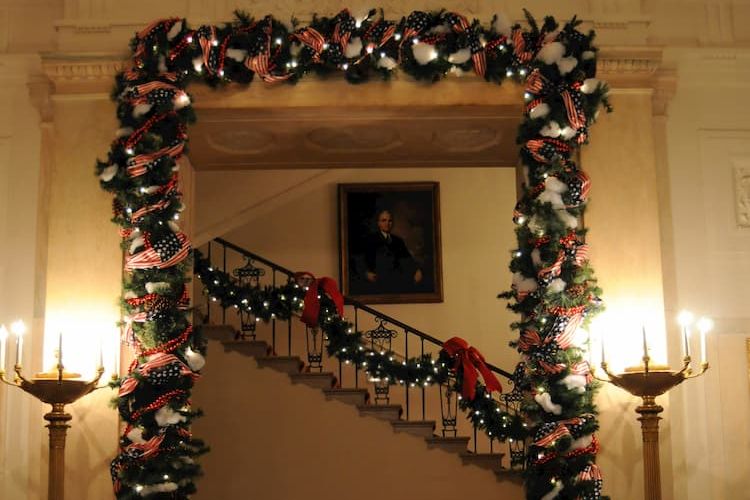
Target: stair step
[
  {"x": 419, "y": 428},
  {"x": 254, "y": 348},
  {"x": 286, "y": 364},
  {"x": 217, "y": 332},
  {"x": 349, "y": 396},
  {"x": 451, "y": 444},
  {"x": 514, "y": 476},
  {"x": 322, "y": 380},
  {"x": 490, "y": 461},
  {"x": 389, "y": 413}
]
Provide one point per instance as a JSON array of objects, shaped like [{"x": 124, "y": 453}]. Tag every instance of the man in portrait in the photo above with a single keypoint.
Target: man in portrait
[{"x": 390, "y": 266}]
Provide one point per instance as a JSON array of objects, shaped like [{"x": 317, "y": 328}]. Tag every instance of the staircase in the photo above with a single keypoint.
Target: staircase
[{"x": 284, "y": 427}]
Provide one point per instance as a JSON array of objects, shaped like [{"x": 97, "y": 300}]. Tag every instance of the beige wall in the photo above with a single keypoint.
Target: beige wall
[{"x": 705, "y": 248}]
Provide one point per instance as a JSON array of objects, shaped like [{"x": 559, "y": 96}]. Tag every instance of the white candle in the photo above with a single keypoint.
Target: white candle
[
  {"x": 603, "y": 359},
  {"x": 704, "y": 326},
  {"x": 3, "y": 339},
  {"x": 645, "y": 345},
  {"x": 18, "y": 328},
  {"x": 685, "y": 318},
  {"x": 59, "y": 348},
  {"x": 100, "y": 363}
]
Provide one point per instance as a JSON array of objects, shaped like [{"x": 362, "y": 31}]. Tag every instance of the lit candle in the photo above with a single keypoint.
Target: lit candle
[
  {"x": 100, "y": 363},
  {"x": 3, "y": 339},
  {"x": 685, "y": 318},
  {"x": 59, "y": 348},
  {"x": 705, "y": 325},
  {"x": 18, "y": 329}
]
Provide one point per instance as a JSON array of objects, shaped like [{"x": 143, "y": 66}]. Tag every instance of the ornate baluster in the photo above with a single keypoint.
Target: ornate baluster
[
  {"x": 512, "y": 401},
  {"x": 381, "y": 339},
  {"x": 449, "y": 407},
  {"x": 248, "y": 275}
]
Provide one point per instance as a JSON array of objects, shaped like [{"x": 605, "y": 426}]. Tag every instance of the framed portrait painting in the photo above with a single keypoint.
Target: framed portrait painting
[{"x": 390, "y": 242}]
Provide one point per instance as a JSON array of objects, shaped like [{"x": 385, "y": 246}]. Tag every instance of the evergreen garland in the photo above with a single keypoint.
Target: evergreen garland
[{"x": 558, "y": 65}]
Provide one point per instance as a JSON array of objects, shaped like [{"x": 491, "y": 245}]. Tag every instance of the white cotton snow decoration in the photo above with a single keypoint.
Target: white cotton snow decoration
[
  {"x": 174, "y": 31},
  {"x": 157, "y": 488},
  {"x": 551, "y": 197},
  {"x": 554, "y": 492},
  {"x": 123, "y": 132},
  {"x": 524, "y": 284},
  {"x": 198, "y": 64},
  {"x": 545, "y": 401},
  {"x": 536, "y": 257},
  {"x": 158, "y": 287},
  {"x": 460, "y": 56},
  {"x": 551, "y": 36},
  {"x": 353, "y": 48},
  {"x": 181, "y": 100},
  {"x": 575, "y": 382},
  {"x": 295, "y": 48},
  {"x": 552, "y": 129},
  {"x": 551, "y": 53},
  {"x": 130, "y": 294},
  {"x": 195, "y": 360},
  {"x": 536, "y": 225},
  {"x": 502, "y": 24},
  {"x": 582, "y": 442},
  {"x": 150, "y": 189},
  {"x": 569, "y": 220},
  {"x": 387, "y": 62},
  {"x": 568, "y": 133},
  {"x": 566, "y": 65},
  {"x": 141, "y": 109},
  {"x": 108, "y": 173},
  {"x": 136, "y": 435},
  {"x": 554, "y": 184},
  {"x": 588, "y": 55},
  {"x": 539, "y": 111},
  {"x": 238, "y": 55},
  {"x": 556, "y": 285},
  {"x": 173, "y": 226},
  {"x": 162, "y": 65},
  {"x": 424, "y": 53},
  {"x": 136, "y": 244},
  {"x": 440, "y": 29},
  {"x": 165, "y": 416},
  {"x": 590, "y": 85}
]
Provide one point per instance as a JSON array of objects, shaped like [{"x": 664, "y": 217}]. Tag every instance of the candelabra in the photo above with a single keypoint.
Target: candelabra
[
  {"x": 57, "y": 388},
  {"x": 648, "y": 381}
]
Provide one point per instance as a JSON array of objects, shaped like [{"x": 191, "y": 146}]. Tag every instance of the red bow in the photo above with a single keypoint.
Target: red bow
[
  {"x": 473, "y": 364},
  {"x": 311, "y": 311}
]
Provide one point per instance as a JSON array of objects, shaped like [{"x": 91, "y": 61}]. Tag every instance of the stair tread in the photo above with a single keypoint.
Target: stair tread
[
  {"x": 379, "y": 407},
  {"x": 470, "y": 454},
  {"x": 344, "y": 390},
  {"x": 414, "y": 423},
  {"x": 450, "y": 439},
  {"x": 313, "y": 375}
]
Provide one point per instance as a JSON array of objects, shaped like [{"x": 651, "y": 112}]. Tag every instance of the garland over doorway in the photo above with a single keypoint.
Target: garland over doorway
[{"x": 553, "y": 287}]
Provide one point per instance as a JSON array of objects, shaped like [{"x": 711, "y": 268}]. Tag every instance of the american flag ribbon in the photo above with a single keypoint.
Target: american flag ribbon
[
  {"x": 585, "y": 184},
  {"x": 554, "y": 269},
  {"x": 582, "y": 254},
  {"x": 574, "y": 110},
  {"x": 533, "y": 104},
  {"x": 566, "y": 311},
  {"x": 341, "y": 34},
  {"x": 590, "y": 473},
  {"x": 565, "y": 338},
  {"x": 547, "y": 150},
  {"x": 523, "y": 54},
  {"x": 166, "y": 23},
  {"x": 160, "y": 360},
  {"x": 127, "y": 386},
  {"x": 206, "y": 44},
  {"x": 384, "y": 33},
  {"x": 550, "y": 432},
  {"x": 160, "y": 205},
  {"x": 592, "y": 449},
  {"x": 416, "y": 22},
  {"x": 166, "y": 252},
  {"x": 146, "y": 88},
  {"x": 528, "y": 340},
  {"x": 552, "y": 368},
  {"x": 582, "y": 368},
  {"x": 145, "y": 450},
  {"x": 138, "y": 165},
  {"x": 536, "y": 82},
  {"x": 313, "y": 39}
]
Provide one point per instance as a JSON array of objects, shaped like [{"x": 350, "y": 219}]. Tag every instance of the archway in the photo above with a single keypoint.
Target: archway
[{"x": 553, "y": 290}]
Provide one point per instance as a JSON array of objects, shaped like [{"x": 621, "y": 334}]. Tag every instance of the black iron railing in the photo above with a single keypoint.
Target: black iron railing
[{"x": 383, "y": 333}]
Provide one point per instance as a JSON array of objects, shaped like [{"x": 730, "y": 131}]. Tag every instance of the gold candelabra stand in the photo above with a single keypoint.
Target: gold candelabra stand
[
  {"x": 647, "y": 382},
  {"x": 57, "y": 388}
]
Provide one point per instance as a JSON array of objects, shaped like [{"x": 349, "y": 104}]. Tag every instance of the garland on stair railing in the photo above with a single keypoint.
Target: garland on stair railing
[
  {"x": 297, "y": 298},
  {"x": 557, "y": 64}
]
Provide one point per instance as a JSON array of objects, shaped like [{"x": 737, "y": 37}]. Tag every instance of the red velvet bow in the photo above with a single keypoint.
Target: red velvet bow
[
  {"x": 473, "y": 364},
  {"x": 311, "y": 311}
]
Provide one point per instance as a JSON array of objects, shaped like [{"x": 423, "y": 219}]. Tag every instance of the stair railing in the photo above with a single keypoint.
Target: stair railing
[{"x": 381, "y": 331}]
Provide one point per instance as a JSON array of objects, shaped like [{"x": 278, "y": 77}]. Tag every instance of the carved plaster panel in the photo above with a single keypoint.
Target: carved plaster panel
[{"x": 742, "y": 195}]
